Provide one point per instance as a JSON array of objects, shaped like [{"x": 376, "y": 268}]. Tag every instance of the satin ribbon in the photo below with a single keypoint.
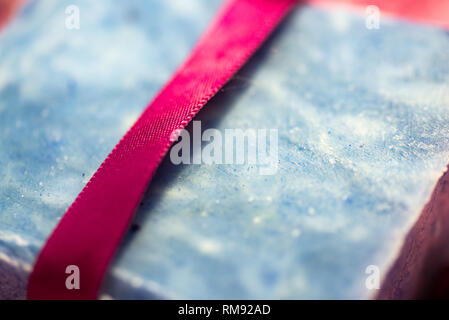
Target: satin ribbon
[{"x": 91, "y": 230}]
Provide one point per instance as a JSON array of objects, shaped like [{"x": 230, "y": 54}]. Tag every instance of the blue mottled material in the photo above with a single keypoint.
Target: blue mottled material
[{"x": 363, "y": 137}]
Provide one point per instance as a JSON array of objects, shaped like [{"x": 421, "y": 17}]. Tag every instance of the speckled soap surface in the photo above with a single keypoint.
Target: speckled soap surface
[{"x": 363, "y": 137}]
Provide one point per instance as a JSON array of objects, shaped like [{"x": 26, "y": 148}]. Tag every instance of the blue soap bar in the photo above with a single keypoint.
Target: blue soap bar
[{"x": 362, "y": 123}]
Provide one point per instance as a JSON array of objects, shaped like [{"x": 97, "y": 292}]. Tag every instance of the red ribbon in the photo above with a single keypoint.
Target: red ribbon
[{"x": 92, "y": 228}]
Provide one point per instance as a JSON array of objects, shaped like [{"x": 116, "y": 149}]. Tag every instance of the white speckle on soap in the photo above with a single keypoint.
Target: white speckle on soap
[
  {"x": 209, "y": 246},
  {"x": 14, "y": 262},
  {"x": 257, "y": 220},
  {"x": 129, "y": 120},
  {"x": 15, "y": 238},
  {"x": 340, "y": 20},
  {"x": 296, "y": 233}
]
